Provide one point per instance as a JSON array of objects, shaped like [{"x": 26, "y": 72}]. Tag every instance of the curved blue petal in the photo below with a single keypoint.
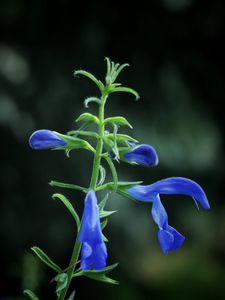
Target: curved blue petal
[
  {"x": 93, "y": 251},
  {"x": 159, "y": 213},
  {"x": 45, "y": 139},
  {"x": 169, "y": 238},
  {"x": 172, "y": 185},
  {"x": 166, "y": 239},
  {"x": 178, "y": 237},
  {"x": 143, "y": 154}
]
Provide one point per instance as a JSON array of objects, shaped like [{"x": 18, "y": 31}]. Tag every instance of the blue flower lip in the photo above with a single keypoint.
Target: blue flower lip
[
  {"x": 143, "y": 154},
  {"x": 45, "y": 139}
]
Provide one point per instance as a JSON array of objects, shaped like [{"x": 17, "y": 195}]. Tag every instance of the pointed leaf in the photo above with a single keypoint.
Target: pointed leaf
[
  {"x": 90, "y": 76},
  {"x": 102, "y": 174},
  {"x": 69, "y": 206},
  {"x": 104, "y": 224},
  {"x": 106, "y": 213},
  {"x": 125, "y": 90},
  {"x": 99, "y": 275},
  {"x": 71, "y": 297},
  {"x": 30, "y": 294},
  {"x": 87, "y": 117},
  {"x": 62, "y": 280},
  {"x": 102, "y": 204},
  {"x": 113, "y": 171},
  {"x": 67, "y": 186},
  {"x": 121, "y": 121},
  {"x": 44, "y": 257},
  {"x": 91, "y": 99}
]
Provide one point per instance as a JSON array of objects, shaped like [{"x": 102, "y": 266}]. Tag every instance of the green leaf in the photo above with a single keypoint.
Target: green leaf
[
  {"x": 62, "y": 280},
  {"x": 118, "y": 71},
  {"x": 104, "y": 224},
  {"x": 103, "y": 213},
  {"x": 68, "y": 186},
  {"x": 121, "y": 121},
  {"x": 107, "y": 213},
  {"x": 99, "y": 84},
  {"x": 71, "y": 297},
  {"x": 69, "y": 206},
  {"x": 30, "y": 294},
  {"x": 87, "y": 117},
  {"x": 113, "y": 171},
  {"x": 99, "y": 275},
  {"x": 102, "y": 204},
  {"x": 125, "y": 90},
  {"x": 91, "y": 99},
  {"x": 102, "y": 174},
  {"x": 44, "y": 257}
]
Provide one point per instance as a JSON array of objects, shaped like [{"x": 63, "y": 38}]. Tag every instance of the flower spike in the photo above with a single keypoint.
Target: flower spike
[{"x": 93, "y": 252}]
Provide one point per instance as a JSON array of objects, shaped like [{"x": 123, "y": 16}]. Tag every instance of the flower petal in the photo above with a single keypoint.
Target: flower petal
[
  {"x": 178, "y": 238},
  {"x": 166, "y": 239},
  {"x": 45, "y": 139},
  {"x": 93, "y": 252},
  {"x": 143, "y": 154},
  {"x": 159, "y": 213},
  {"x": 172, "y": 185}
]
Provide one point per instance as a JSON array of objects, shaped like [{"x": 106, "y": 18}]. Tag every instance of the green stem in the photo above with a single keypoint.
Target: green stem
[
  {"x": 73, "y": 261},
  {"x": 99, "y": 147},
  {"x": 93, "y": 183}
]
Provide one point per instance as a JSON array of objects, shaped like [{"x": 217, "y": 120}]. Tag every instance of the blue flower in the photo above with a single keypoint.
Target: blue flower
[
  {"x": 143, "y": 154},
  {"x": 45, "y": 139},
  {"x": 93, "y": 252},
  {"x": 169, "y": 238}
]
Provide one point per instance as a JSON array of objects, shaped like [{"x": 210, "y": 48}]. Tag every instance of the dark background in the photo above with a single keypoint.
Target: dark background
[{"x": 175, "y": 49}]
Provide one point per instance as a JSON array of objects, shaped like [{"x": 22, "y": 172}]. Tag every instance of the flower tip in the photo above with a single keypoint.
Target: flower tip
[{"x": 45, "y": 139}]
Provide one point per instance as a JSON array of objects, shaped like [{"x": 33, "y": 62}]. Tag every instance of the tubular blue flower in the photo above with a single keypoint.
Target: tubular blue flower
[
  {"x": 169, "y": 238},
  {"x": 45, "y": 139},
  {"x": 93, "y": 251},
  {"x": 172, "y": 185}
]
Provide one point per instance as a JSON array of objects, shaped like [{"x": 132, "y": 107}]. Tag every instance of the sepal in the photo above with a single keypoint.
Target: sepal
[
  {"x": 74, "y": 143},
  {"x": 62, "y": 280},
  {"x": 45, "y": 258},
  {"x": 30, "y": 294},
  {"x": 99, "y": 275}
]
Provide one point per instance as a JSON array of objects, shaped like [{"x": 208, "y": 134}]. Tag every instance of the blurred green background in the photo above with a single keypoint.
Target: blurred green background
[{"x": 175, "y": 49}]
